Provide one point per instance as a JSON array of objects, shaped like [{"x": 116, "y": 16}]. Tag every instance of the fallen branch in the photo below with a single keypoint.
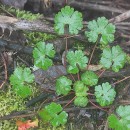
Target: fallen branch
[
  {"x": 16, "y": 47},
  {"x": 89, "y": 6},
  {"x": 5, "y": 66},
  {"x": 96, "y": 7},
  {"x": 15, "y": 24},
  {"x": 40, "y": 26},
  {"x": 120, "y": 17}
]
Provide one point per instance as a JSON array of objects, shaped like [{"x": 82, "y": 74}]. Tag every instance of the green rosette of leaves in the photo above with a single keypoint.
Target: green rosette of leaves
[
  {"x": 105, "y": 94},
  {"x": 77, "y": 60},
  {"x": 114, "y": 58},
  {"x": 121, "y": 121},
  {"x": 89, "y": 78},
  {"x": 63, "y": 85},
  {"x": 67, "y": 16},
  {"x": 100, "y": 27},
  {"x": 42, "y": 54},
  {"x": 54, "y": 114},
  {"x": 20, "y": 80}
]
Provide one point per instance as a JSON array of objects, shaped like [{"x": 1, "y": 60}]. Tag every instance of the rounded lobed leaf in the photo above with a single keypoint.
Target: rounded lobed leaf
[
  {"x": 22, "y": 90},
  {"x": 89, "y": 78},
  {"x": 41, "y": 54},
  {"x": 106, "y": 59},
  {"x": 114, "y": 123},
  {"x": 72, "y": 69},
  {"x": 60, "y": 119},
  {"x": 19, "y": 80},
  {"x": 114, "y": 58},
  {"x": 80, "y": 89},
  {"x": 124, "y": 112},
  {"x": 123, "y": 121},
  {"x": 27, "y": 76},
  {"x": 67, "y": 16},
  {"x": 53, "y": 109},
  {"x": 44, "y": 115},
  {"x": 50, "y": 111},
  {"x": 118, "y": 58},
  {"x": 53, "y": 113},
  {"x": 81, "y": 101},
  {"x": 101, "y": 26},
  {"x": 105, "y": 94},
  {"x": 77, "y": 60},
  {"x": 63, "y": 85}
]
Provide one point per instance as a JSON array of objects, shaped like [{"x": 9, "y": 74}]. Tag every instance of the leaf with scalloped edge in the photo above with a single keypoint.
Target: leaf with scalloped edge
[
  {"x": 89, "y": 78},
  {"x": 67, "y": 16},
  {"x": 122, "y": 121},
  {"x": 72, "y": 69},
  {"x": 105, "y": 94},
  {"x": 77, "y": 60},
  {"x": 60, "y": 119},
  {"x": 124, "y": 113},
  {"x": 114, "y": 123},
  {"x": 114, "y": 58},
  {"x": 80, "y": 89},
  {"x": 20, "y": 80},
  {"x": 63, "y": 85},
  {"x": 53, "y": 113},
  {"x": 101, "y": 26},
  {"x": 81, "y": 101},
  {"x": 42, "y": 54},
  {"x": 50, "y": 111},
  {"x": 22, "y": 90}
]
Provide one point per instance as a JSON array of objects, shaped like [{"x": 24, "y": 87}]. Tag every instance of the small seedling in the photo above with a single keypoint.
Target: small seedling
[
  {"x": 68, "y": 21},
  {"x": 89, "y": 78},
  {"x": 114, "y": 58},
  {"x": 105, "y": 94},
  {"x": 54, "y": 114},
  {"x": 20, "y": 81},
  {"x": 102, "y": 27},
  {"x": 67, "y": 16},
  {"x": 77, "y": 60},
  {"x": 42, "y": 54},
  {"x": 63, "y": 85}
]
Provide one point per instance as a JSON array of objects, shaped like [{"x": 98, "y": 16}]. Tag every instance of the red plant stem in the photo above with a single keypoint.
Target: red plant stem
[
  {"x": 71, "y": 36},
  {"x": 59, "y": 97},
  {"x": 42, "y": 104},
  {"x": 69, "y": 102},
  {"x": 98, "y": 40},
  {"x": 66, "y": 48},
  {"x": 121, "y": 80},
  {"x": 92, "y": 55},
  {"x": 97, "y": 106},
  {"x": 66, "y": 1},
  {"x": 101, "y": 73},
  {"x": 72, "y": 77},
  {"x": 66, "y": 43},
  {"x": 78, "y": 76},
  {"x": 90, "y": 94}
]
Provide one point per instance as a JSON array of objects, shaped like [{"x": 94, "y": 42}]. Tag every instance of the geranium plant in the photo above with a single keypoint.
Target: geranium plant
[{"x": 69, "y": 22}]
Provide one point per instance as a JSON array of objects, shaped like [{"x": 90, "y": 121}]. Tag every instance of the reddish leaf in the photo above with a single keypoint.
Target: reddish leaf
[{"x": 27, "y": 124}]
